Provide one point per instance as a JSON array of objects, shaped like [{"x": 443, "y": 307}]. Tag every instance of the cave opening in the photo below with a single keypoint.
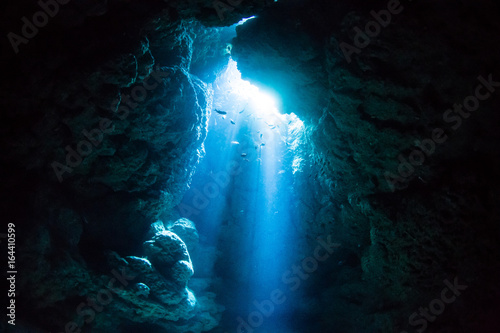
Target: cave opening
[{"x": 241, "y": 196}]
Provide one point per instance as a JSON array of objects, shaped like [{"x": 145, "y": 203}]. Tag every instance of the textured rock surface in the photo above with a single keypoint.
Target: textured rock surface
[
  {"x": 186, "y": 230},
  {"x": 170, "y": 254}
]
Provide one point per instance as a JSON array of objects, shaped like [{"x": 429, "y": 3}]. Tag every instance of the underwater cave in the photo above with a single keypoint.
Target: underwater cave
[{"x": 257, "y": 166}]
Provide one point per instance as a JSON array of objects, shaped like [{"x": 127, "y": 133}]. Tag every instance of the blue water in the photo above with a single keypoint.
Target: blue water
[{"x": 241, "y": 201}]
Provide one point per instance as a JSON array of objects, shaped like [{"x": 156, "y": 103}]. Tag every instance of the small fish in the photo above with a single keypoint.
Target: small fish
[
  {"x": 422, "y": 180},
  {"x": 235, "y": 142},
  {"x": 261, "y": 135},
  {"x": 289, "y": 122},
  {"x": 262, "y": 144},
  {"x": 243, "y": 154},
  {"x": 281, "y": 172},
  {"x": 246, "y": 159},
  {"x": 220, "y": 111},
  {"x": 223, "y": 117},
  {"x": 242, "y": 111},
  {"x": 232, "y": 122}
]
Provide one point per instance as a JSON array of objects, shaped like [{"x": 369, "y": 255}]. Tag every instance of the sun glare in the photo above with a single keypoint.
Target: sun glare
[{"x": 256, "y": 101}]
